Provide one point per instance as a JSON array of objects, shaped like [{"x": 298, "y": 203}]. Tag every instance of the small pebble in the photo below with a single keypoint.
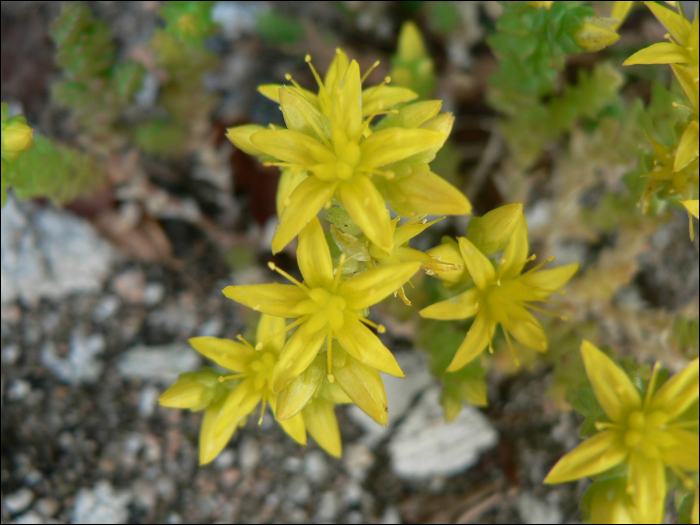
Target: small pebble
[
  {"x": 10, "y": 354},
  {"x": 293, "y": 465},
  {"x": 248, "y": 454},
  {"x": 390, "y": 516},
  {"x": 225, "y": 460},
  {"x": 316, "y": 467},
  {"x": 18, "y": 389},
  {"x": 327, "y": 509},
  {"x": 29, "y": 518},
  {"x": 153, "y": 293},
  {"x": 129, "y": 285},
  {"x": 18, "y": 502},
  {"x": 47, "y": 507},
  {"x": 149, "y": 400},
  {"x": 106, "y": 309}
]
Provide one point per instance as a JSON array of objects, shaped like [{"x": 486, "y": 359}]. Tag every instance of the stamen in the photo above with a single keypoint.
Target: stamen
[
  {"x": 652, "y": 383},
  {"x": 296, "y": 84},
  {"x": 510, "y": 345},
  {"x": 261, "y": 344},
  {"x": 240, "y": 338},
  {"x": 284, "y": 274},
  {"x": 321, "y": 87},
  {"x": 233, "y": 376},
  {"x": 339, "y": 271},
  {"x": 364, "y": 77},
  {"x": 542, "y": 310},
  {"x": 329, "y": 358},
  {"x": 262, "y": 410},
  {"x": 535, "y": 268},
  {"x": 379, "y": 327}
]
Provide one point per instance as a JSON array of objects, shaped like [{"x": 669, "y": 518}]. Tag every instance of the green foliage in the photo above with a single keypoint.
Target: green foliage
[
  {"x": 412, "y": 66},
  {"x": 160, "y": 137},
  {"x": 95, "y": 87},
  {"x": 57, "y": 172},
  {"x": 686, "y": 334},
  {"x": 277, "y": 28},
  {"x": 531, "y": 45},
  {"x": 189, "y": 21}
]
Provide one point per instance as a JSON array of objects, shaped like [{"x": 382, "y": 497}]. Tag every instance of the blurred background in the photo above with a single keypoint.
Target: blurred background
[{"x": 103, "y": 283}]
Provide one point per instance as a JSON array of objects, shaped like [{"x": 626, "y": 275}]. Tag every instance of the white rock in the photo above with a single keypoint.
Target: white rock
[
  {"x": 358, "y": 459},
  {"x": 48, "y": 253},
  {"x": 248, "y": 454},
  {"x": 148, "y": 401},
  {"x": 316, "y": 467},
  {"x": 400, "y": 393},
  {"x": 101, "y": 504},
  {"x": 236, "y": 19},
  {"x": 391, "y": 516},
  {"x": 30, "y": 518},
  {"x": 82, "y": 364},
  {"x": 534, "y": 510},
  {"x": 161, "y": 364},
  {"x": 19, "y": 501},
  {"x": 425, "y": 445},
  {"x": 327, "y": 509}
]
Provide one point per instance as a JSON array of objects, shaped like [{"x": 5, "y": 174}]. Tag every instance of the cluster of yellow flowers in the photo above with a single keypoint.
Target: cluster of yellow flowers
[
  {"x": 675, "y": 169},
  {"x": 333, "y": 156}
]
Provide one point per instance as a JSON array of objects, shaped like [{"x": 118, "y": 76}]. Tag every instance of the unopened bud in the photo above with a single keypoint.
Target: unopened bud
[
  {"x": 16, "y": 137},
  {"x": 492, "y": 232},
  {"x": 192, "y": 390},
  {"x": 596, "y": 34},
  {"x": 240, "y": 136}
]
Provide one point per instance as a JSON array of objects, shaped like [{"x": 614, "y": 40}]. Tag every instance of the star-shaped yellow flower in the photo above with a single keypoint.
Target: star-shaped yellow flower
[
  {"x": 645, "y": 433},
  {"x": 501, "y": 296},
  {"x": 326, "y": 308}
]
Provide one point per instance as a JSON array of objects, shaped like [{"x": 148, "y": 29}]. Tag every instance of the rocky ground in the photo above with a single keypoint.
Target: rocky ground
[{"x": 95, "y": 319}]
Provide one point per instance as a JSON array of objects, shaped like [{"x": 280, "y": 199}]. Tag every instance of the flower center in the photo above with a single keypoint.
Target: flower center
[
  {"x": 261, "y": 370},
  {"x": 646, "y": 432},
  {"x": 331, "y": 309}
]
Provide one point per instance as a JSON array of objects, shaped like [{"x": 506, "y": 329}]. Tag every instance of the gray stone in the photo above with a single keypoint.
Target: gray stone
[
  {"x": 101, "y": 504},
  {"x": 236, "y": 19},
  {"x": 18, "y": 389},
  {"x": 129, "y": 285},
  {"x": 327, "y": 508},
  {"x": 316, "y": 467},
  {"x": 175, "y": 319},
  {"x": 352, "y": 493},
  {"x": 29, "y": 518},
  {"x": 358, "y": 459},
  {"x": 293, "y": 465},
  {"x": 533, "y": 510},
  {"x": 225, "y": 459},
  {"x": 18, "y": 502},
  {"x": 49, "y": 253},
  {"x": 47, "y": 507},
  {"x": 82, "y": 364},
  {"x": 10, "y": 354},
  {"x": 426, "y": 445},
  {"x": 299, "y": 490},
  {"x": 161, "y": 364},
  {"x": 400, "y": 393},
  {"x": 148, "y": 401},
  {"x": 211, "y": 328},
  {"x": 248, "y": 454},
  {"x": 390, "y": 516},
  {"x": 153, "y": 293},
  {"x": 106, "y": 309}
]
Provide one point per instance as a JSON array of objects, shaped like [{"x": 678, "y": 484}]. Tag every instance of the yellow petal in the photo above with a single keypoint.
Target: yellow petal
[
  {"x": 692, "y": 207},
  {"x": 461, "y": 306},
  {"x": 334, "y": 393},
  {"x": 646, "y": 483},
  {"x": 676, "y": 23},
  {"x": 292, "y": 146},
  {"x": 224, "y": 352},
  {"x": 192, "y": 390},
  {"x": 480, "y": 268},
  {"x": 620, "y": 10},
  {"x": 678, "y": 393},
  {"x": 478, "y": 337},
  {"x": 297, "y": 354},
  {"x": 288, "y": 182},
  {"x": 346, "y": 112},
  {"x": 661, "y": 53},
  {"x": 267, "y": 327},
  {"x": 320, "y": 420},
  {"x": 683, "y": 453},
  {"x": 292, "y": 399},
  {"x": 492, "y": 232},
  {"x": 395, "y": 144},
  {"x": 406, "y": 232},
  {"x": 210, "y": 443},
  {"x": 546, "y": 282},
  {"x": 240, "y": 136},
  {"x": 304, "y": 203},
  {"x": 687, "y": 147},
  {"x": 378, "y": 98},
  {"x": 526, "y": 329},
  {"x": 695, "y": 514},
  {"x": 613, "y": 389},
  {"x": 685, "y": 78},
  {"x": 363, "y": 384},
  {"x": 279, "y": 300},
  {"x": 336, "y": 70},
  {"x": 362, "y": 344},
  {"x": 300, "y": 115},
  {"x": 424, "y": 192},
  {"x": 295, "y": 428},
  {"x": 515, "y": 255},
  {"x": 596, "y": 454},
  {"x": 595, "y": 34},
  {"x": 239, "y": 403},
  {"x": 413, "y": 115},
  {"x": 314, "y": 256},
  {"x": 271, "y": 91},
  {"x": 366, "y": 207},
  {"x": 368, "y": 288}
]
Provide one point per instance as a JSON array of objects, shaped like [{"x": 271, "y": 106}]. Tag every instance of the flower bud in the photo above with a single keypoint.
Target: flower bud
[
  {"x": 491, "y": 233},
  {"x": 309, "y": 384},
  {"x": 540, "y": 5},
  {"x": 596, "y": 34},
  {"x": 16, "y": 137},
  {"x": 240, "y": 136},
  {"x": 193, "y": 390},
  {"x": 607, "y": 501}
]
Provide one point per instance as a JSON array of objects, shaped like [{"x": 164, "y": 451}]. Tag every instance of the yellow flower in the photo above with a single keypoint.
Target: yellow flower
[
  {"x": 540, "y": 5},
  {"x": 16, "y": 136},
  {"x": 692, "y": 207},
  {"x": 500, "y": 296},
  {"x": 596, "y": 33},
  {"x": 326, "y": 308},
  {"x": 644, "y": 433},
  {"x": 329, "y": 138}
]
